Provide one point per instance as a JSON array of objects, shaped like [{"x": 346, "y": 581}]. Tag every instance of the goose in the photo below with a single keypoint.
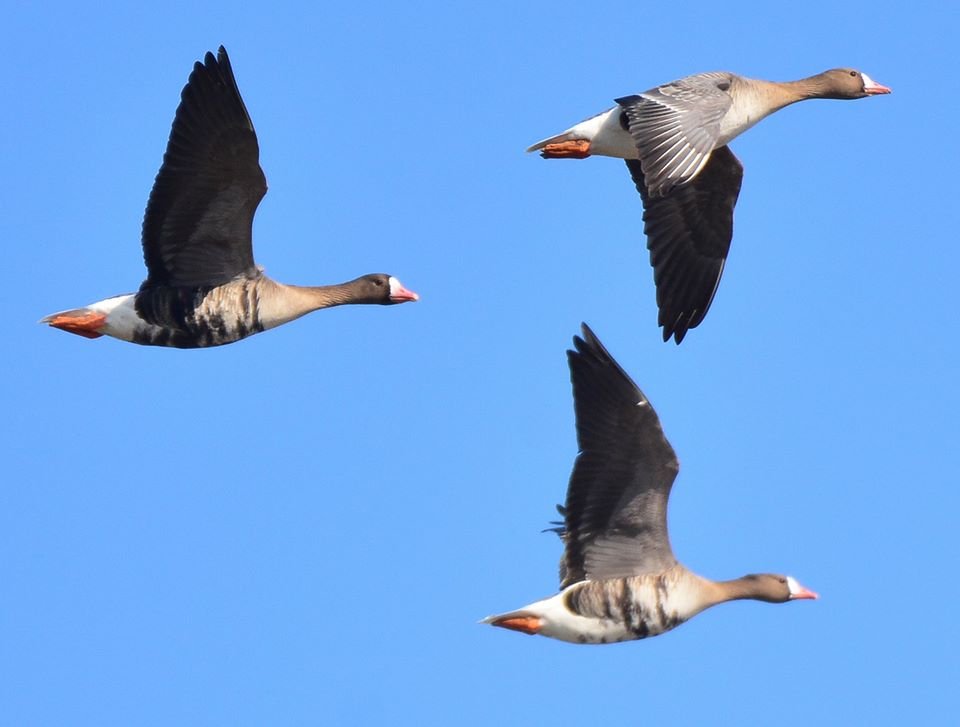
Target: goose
[
  {"x": 619, "y": 578},
  {"x": 203, "y": 287},
  {"x": 674, "y": 140}
]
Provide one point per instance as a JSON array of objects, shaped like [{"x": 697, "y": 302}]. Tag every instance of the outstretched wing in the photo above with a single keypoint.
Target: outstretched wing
[
  {"x": 615, "y": 517},
  {"x": 197, "y": 229},
  {"x": 688, "y": 236}
]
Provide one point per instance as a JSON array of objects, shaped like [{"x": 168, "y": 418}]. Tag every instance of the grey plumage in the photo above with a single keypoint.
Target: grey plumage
[
  {"x": 674, "y": 138},
  {"x": 197, "y": 229},
  {"x": 619, "y": 578},
  {"x": 688, "y": 235},
  {"x": 675, "y": 127},
  {"x": 615, "y": 516},
  {"x": 203, "y": 287}
]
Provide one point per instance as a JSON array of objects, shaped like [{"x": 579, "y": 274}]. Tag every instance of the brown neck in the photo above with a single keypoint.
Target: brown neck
[
  {"x": 280, "y": 303},
  {"x": 774, "y": 96},
  {"x": 817, "y": 86},
  {"x": 771, "y": 96},
  {"x": 735, "y": 590},
  {"x": 314, "y": 297}
]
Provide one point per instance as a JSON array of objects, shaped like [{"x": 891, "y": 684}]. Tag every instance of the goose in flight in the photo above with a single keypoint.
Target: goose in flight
[
  {"x": 619, "y": 578},
  {"x": 203, "y": 287},
  {"x": 674, "y": 139}
]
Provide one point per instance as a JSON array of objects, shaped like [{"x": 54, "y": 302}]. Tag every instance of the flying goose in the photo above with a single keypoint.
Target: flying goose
[
  {"x": 674, "y": 140},
  {"x": 203, "y": 287},
  {"x": 619, "y": 579}
]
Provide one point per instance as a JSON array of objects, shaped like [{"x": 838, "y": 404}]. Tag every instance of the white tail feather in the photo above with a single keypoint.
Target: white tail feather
[{"x": 565, "y": 136}]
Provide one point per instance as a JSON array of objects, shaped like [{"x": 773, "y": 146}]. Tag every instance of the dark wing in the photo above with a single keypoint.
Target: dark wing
[
  {"x": 688, "y": 235},
  {"x": 675, "y": 127},
  {"x": 615, "y": 517},
  {"x": 197, "y": 229}
]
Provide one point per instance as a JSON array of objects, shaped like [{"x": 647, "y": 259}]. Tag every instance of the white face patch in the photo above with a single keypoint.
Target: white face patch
[
  {"x": 867, "y": 81},
  {"x": 794, "y": 587},
  {"x": 395, "y": 286}
]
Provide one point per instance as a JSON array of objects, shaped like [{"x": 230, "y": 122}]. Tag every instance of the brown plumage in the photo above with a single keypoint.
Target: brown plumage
[
  {"x": 619, "y": 578},
  {"x": 674, "y": 139},
  {"x": 203, "y": 287}
]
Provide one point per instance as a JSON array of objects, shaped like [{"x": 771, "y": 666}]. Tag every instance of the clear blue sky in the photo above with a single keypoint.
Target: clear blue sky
[{"x": 303, "y": 528}]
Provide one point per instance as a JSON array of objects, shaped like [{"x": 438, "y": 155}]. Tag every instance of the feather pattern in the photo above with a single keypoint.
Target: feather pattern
[
  {"x": 203, "y": 287},
  {"x": 688, "y": 235},
  {"x": 643, "y": 606},
  {"x": 199, "y": 317},
  {"x": 619, "y": 578},
  {"x": 676, "y": 134},
  {"x": 675, "y": 127},
  {"x": 615, "y": 516},
  {"x": 197, "y": 230}
]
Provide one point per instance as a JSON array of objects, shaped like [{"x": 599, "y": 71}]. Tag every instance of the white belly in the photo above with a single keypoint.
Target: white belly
[{"x": 559, "y": 623}]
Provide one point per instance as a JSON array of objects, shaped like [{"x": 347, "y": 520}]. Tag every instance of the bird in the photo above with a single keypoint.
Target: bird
[
  {"x": 674, "y": 140},
  {"x": 203, "y": 287},
  {"x": 619, "y": 578}
]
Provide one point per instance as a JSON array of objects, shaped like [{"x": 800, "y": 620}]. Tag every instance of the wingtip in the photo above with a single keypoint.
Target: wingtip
[
  {"x": 673, "y": 333},
  {"x": 677, "y": 325},
  {"x": 587, "y": 341},
  {"x": 585, "y": 335}
]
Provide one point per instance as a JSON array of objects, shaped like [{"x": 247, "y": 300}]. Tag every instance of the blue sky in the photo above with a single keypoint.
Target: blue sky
[{"x": 303, "y": 528}]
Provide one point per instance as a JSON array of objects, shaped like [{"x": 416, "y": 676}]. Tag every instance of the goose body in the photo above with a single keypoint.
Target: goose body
[
  {"x": 674, "y": 140},
  {"x": 203, "y": 287},
  {"x": 619, "y": 578},
  {"x": 612, "y": 610}
]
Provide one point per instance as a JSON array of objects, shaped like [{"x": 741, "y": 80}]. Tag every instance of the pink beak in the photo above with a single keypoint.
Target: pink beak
[
  {"x": 803, "y": 593},
  {"x": 872, "y": 88},
  {"x": 402, "y": 295}
]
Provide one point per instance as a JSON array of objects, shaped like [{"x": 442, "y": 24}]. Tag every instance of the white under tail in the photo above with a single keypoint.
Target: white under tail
[{"x": 567, "y": 135}]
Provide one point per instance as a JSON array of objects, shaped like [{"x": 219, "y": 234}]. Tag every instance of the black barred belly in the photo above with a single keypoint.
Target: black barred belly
[
  {"x": 197, "y": 317},
  {"x": 639, "y": 603}
]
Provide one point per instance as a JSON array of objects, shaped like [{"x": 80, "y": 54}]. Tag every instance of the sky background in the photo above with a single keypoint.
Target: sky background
[{"x": 304, "y": 528}]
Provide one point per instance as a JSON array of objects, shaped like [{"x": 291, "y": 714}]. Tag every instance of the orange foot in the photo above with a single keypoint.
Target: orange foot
[
  {"x": 526, "y": 624},
  {"x": 87, "y": 324},
  {"x": 576, "y": 149}
]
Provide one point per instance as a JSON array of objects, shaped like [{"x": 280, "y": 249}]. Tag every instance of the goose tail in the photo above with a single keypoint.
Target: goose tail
[
  {"x": 84, "y": 322},
  {"x": 565, "y": 136}
]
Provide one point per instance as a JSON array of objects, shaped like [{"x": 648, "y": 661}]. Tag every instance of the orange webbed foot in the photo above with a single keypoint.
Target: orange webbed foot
[
  {"x": 575, "y": 149},
  {"x": 83, "y": 323}
]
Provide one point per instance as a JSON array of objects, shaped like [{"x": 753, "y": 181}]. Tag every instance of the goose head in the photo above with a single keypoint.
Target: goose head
[
  {"x": 382, "y": 289},
  {"x": 774, "y": 588},
  {"x": 846, "y": 83}
]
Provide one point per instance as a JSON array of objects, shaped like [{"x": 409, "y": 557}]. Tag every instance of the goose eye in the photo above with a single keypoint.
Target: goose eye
[
  {"x": 782, "y": 580},
  {"x": 853, "y": 73}
]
